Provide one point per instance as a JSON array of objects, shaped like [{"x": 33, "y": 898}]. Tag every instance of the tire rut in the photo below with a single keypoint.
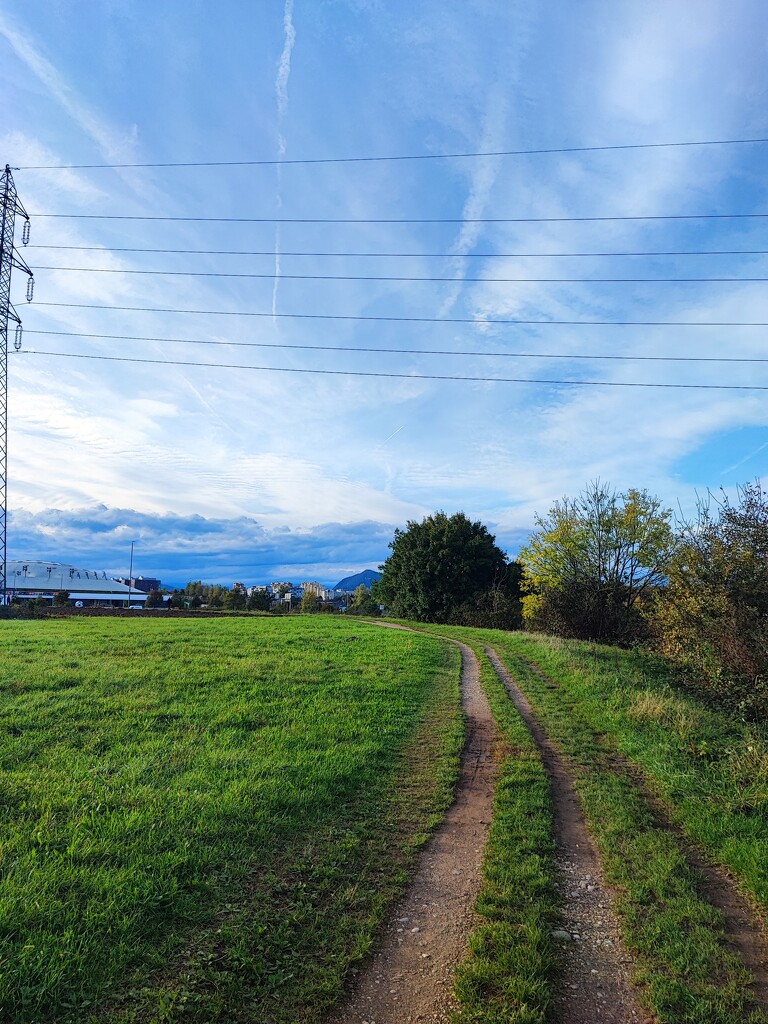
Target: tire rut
[
  {"x": 745, "y": 931},
  {"x": 595, "y": 984},
  {"x": 410, "y": 978}
]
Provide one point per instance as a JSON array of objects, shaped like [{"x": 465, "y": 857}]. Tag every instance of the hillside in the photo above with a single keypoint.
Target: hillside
[{"x": 366, "y": 577}]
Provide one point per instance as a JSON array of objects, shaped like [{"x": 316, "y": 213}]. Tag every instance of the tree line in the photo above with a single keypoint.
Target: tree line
[{"x": 614, "y": 567}]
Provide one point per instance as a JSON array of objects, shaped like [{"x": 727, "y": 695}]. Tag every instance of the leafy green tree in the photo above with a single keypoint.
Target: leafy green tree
[
  {"x": 154, "y": 599},
  {"x": 235, "y": 600},
  {"x": 498, "y": 607},
  {"x": 594, "y": 562},
  {"x": 714, "y": 612},
  {"x": 61, "y": 599},
  {"x": 310, "y": 602},
  {"x": 439, "y": 565},
  {"x": 259, "y": 600},
  {"x": 363, "y": 602}
]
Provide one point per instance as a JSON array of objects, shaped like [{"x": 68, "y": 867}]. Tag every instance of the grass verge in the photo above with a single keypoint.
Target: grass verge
[
  {"x": 709, "y": 767},
  {"x": 199, "y": 818},
  {"x": 687, "y": 973},
  {"x": 507, "y": 976}
]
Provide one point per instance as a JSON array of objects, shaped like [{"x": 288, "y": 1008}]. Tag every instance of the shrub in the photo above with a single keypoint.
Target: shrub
[{"x": 713, "y": 616}]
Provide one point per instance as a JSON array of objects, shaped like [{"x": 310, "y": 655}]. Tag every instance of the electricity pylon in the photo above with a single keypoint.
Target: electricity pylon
[{"x": 9, "y": 258}]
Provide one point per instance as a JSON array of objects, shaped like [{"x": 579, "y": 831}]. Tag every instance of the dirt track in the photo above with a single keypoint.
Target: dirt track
[{"x": 410, "y": 978}]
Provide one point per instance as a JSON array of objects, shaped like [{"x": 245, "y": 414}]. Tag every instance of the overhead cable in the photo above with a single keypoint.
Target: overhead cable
[
  {"x": 407, "y": 255},
  {"x": 476, "y": 321},
  {"x": 367, "y": 350},
  {"x": 406, "y": 279},
  {"x": 287, "y": 161},
  {"x": 399, "y": 376},
  {"x": 400, "y": 220}
]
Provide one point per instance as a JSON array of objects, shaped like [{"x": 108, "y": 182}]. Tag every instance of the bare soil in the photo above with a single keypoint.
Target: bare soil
[{"x": 410, "y": 977}]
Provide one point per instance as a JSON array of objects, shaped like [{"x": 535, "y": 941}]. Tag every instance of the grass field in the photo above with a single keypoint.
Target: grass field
[
  {"x": 204, "y": 820},
  {"x": 508, "y": 976}
]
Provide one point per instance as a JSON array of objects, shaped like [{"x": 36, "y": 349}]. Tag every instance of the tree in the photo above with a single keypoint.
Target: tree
[
  {"x": 310, "y": 602},
  {"x": 236, "y": 599},
  {"x": 363, "y": 602},
  {"x": 714, "y": 614},
  {"x": 61, "y": 599},
  {"x": 259, "y": 600},
  {"x": 154, "y": 599},
  {"x": 439, "y": 565},
  {"x": 594, "y": 562},
  {"x": 499, "y": 607}
]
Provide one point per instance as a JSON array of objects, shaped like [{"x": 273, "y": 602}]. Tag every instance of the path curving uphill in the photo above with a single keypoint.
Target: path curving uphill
[{"x": 411, "y": 976}]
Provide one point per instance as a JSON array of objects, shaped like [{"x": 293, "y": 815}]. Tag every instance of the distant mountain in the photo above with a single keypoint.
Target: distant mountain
[{"x": 366, "y": 577}]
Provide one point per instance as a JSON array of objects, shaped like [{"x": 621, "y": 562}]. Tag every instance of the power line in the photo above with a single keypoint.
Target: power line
[
  {"x": 401, "y": 220},
  {"x": 409, "y": 255},
  {"x": 399, "y": 376},
  {"x": 413, "y": 279},
  {"x": 403, "y": 351},
  {"x": 413, "y": 319},
  {"x": 398, "y": 158}
]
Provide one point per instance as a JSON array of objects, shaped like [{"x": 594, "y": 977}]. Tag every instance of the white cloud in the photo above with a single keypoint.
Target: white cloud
[
  {"x": 115, "y": 146},
  {"x": 294, "y": 450}
]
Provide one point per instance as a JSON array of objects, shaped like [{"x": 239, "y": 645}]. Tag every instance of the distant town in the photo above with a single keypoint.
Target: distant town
[{"x": 65, "y": 585}]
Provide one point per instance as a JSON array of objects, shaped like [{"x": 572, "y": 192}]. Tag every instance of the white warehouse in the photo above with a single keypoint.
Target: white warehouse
[{"x": 86, "y": 588}]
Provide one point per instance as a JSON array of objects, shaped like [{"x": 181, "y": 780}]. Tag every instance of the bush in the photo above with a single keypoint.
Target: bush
[
  {"x": 713, "y": 615},
  {"x": 593, "y": 563}
]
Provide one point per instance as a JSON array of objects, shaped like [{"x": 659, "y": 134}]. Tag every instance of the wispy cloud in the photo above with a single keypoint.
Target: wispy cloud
[
  {"x": 115, "y": 146},
  {"x": 483, "y": 178},
  {"x": 281, "y": 90},
  {"x": 284, "y": 73}
]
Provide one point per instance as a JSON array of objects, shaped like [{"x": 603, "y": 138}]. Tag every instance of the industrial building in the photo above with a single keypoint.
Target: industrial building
[{"x": 87, "y": 588}]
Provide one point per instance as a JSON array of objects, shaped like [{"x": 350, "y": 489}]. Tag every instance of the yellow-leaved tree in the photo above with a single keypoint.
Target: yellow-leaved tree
[{"x": 593, "y": 563}]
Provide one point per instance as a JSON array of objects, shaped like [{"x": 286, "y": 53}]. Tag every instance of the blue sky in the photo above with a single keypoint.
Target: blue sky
[{"x": 248, "y": 474}]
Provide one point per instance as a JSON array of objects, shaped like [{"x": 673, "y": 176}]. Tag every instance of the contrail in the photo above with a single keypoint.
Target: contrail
[
  {"x": 730, "y": 469},
  {"x": 483, "y": 180},
  {"x": 281, "y": 89},
  {"x": 284, "y": 73}
]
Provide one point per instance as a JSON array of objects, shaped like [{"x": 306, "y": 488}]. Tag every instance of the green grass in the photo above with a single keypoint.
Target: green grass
[
  {"x": 508, "y": 974},
  {"x": 709, "y": 767},
  {"x": 198, "y": 818},
  {"x": 596, "y": 702},
  {"x": 687, "y": 973}
]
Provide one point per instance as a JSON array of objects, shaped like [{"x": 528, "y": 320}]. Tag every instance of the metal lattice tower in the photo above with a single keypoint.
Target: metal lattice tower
[{"x": 9, "y": 258}]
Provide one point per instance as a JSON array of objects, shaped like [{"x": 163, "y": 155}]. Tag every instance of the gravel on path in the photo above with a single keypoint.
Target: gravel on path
[
  {"x": 410, "y": 978},
  {"x": 595, "y": 984}
]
